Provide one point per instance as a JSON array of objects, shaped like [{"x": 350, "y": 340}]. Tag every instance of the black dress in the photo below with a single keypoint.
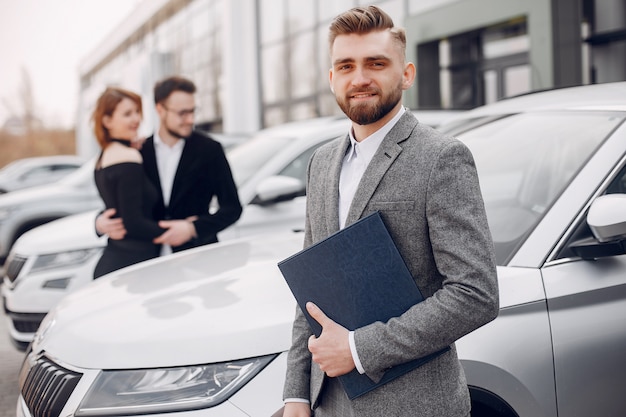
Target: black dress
[{"x": 126, "y": 188}]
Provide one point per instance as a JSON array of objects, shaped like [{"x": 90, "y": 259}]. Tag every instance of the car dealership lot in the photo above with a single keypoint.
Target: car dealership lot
[
  {"x": 205, "y": 332},
  {"x": 269, "y": 168}
]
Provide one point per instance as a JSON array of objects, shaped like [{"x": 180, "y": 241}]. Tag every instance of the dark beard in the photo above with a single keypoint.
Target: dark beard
[
  {"x": 175, "y": 133},
  {"x": 365, "y": 114}
]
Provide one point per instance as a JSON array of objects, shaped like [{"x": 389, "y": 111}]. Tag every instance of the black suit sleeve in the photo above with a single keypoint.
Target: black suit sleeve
[
  {"x": 225, "y": 191},
  {"x": 130, "y": 195}
]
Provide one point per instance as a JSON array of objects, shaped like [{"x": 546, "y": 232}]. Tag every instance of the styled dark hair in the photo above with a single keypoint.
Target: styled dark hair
[
  {"x": 363, "y": 20},
  {"x": 164, "y": 88},
  {"x": 105, "y": 106}
]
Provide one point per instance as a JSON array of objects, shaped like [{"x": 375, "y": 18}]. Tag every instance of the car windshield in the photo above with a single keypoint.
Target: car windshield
[
  {"x": 246, "y": 159},
  {"x": 81, "y": 177},
  {"x": 524, "y": 163}
]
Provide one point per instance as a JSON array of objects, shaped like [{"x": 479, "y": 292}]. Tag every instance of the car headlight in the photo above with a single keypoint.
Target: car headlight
[
  {"x": 63, "y": 259},
  {"x": 163, "y": 390}
]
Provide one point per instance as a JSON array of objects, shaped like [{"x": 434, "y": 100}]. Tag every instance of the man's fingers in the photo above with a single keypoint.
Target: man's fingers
[
  {"x": 109, "y": 212},
  {"x": 318, "y": 314}
]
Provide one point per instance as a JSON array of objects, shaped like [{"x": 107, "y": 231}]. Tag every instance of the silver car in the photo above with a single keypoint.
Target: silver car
[
  {"x": 205, "y": 333},
  {"x": 37, "y": 170}
]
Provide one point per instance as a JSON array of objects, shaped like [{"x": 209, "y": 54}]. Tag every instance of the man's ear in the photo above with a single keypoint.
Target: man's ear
[
  {"x": 408, "y": 76},
  {"x": 330, "y": 80}
]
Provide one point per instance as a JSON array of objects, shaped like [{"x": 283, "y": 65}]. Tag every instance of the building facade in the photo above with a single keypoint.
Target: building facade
[{"x": 258, "y": 63}]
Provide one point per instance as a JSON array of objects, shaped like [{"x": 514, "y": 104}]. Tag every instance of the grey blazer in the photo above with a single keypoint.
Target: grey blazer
[{"x": 426, "y": 187}]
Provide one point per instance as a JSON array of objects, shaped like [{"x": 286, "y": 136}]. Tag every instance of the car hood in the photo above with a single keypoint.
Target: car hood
[
  {"x": 215, "y": 303},
  {"x": 65, "y": 234}
]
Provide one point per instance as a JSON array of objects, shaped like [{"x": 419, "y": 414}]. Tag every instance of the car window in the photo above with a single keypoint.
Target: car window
[
  {"x": 246, "y": 159},
  {"x": 582, "y": 231},
  {"x": 525, "y": 161},
  {"x": 297, "y": 167},
  {"x": 37, "y": 172},
  {"x": 63, "y": 168}
]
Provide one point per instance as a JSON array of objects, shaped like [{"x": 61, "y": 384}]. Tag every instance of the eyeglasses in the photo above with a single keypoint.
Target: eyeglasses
[{"x": 182, "y": 113}]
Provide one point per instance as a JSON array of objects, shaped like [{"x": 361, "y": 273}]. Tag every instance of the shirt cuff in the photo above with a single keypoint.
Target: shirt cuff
[
  {"x": 355, "y": 355},
  {"x": 296, "y": 400}
]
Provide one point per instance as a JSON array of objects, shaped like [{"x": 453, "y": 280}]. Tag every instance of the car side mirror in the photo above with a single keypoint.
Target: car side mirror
[
  {"x": 278, "y": 188},
  {"x": 607, "y": 221}
]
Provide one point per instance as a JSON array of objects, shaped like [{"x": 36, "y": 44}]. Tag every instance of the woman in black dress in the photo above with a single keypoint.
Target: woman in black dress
[{"x": 121, "y": 180}]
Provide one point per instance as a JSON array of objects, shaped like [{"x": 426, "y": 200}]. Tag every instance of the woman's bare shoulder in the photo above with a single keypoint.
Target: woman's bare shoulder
[{"x": 118, "y": 154}]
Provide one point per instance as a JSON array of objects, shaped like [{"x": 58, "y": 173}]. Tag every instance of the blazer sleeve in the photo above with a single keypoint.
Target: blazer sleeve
[
  {"x": 463, "y": 255},
  {"x": 129, "y": 196},
  {"x": 229, "y": 207}
]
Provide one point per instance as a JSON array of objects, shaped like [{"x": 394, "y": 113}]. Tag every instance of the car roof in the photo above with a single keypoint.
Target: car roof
[{"x": 607, "y": 96}]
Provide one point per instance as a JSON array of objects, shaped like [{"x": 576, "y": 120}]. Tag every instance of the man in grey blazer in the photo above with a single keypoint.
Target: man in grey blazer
[{"x": 426, "y": 187}]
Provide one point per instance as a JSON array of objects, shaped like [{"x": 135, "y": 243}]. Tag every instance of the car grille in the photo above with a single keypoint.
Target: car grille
[
  {"x": 14, "y": 266},
  {"x": 26, "y": 322},
  {"x": 46, "y": 387}
]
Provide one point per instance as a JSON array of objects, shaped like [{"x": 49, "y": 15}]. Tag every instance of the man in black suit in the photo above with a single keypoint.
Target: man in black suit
[{"x": 189, "y": 169}]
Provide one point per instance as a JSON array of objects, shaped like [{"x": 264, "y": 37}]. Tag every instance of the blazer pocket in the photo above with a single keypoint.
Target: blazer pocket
[{"x": 392, "y": 205}]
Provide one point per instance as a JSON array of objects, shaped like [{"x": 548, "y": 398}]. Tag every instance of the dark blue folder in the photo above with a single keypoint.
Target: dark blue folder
[{"x": 357, "y": 277}]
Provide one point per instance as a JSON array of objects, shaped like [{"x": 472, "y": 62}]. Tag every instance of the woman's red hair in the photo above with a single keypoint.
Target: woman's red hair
[{"x": 105, "y": 106}]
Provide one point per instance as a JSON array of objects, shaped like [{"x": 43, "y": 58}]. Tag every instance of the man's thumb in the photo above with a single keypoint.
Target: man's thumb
[{"x": 316, "y": 313}]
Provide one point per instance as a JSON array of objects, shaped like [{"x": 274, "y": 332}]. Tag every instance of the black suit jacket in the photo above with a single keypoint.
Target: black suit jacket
[{"x": 203, "y": 173}]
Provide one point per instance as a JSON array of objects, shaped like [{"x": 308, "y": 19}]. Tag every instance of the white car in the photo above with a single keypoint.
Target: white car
[
  {"x": 37, "y": 170},
  {"x": 205, "y": 332},
  {"x": 55, "y": 259}
]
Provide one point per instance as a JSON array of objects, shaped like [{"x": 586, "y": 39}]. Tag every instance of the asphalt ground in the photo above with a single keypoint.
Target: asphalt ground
[{"x": 10, "y": 362}]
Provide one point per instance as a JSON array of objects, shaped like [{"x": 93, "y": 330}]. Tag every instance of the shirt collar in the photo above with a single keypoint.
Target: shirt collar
[{"x": 368, "y": 146}]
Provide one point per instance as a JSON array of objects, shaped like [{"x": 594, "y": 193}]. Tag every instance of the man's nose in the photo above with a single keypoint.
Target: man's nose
[{"x": 361, "y": 78}]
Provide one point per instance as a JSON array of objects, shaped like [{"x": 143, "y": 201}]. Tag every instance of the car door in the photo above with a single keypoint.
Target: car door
[{"x": 587, "y": 311}]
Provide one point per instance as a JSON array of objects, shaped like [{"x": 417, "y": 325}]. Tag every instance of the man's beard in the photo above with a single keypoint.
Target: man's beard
[
  {"x": 366, "y": 113},
  {"x": 177, "y": 133}
]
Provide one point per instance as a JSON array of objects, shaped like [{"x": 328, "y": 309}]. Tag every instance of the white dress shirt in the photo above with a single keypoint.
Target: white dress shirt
[{"x": 167, "y": 159}]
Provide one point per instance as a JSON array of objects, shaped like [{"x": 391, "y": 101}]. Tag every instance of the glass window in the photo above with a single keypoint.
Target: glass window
[
  {"x": 272, "y": 20},
  {"x": 525, "y": 161},
  {"x": 274, "y": 77},
  {"x": 301, "y": 15},
  {"x": 274, "y": 116},
  {"x": 516, "y": 80},
  {"x": 200, "y": 21},
  {"x": 302, "y": 111},
  {"x": 328, "y": 9},
  {"x": 303, "y": 66},
  {"x": 323, "y": 59}
]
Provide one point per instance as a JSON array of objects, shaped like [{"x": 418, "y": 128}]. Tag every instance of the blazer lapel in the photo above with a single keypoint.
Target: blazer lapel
[
  {"x": 184, "y": 165},
  {"x": 384, "y": 157},
  {"x": 150, "y": 165},
  {"x": 332, "y": 191}
]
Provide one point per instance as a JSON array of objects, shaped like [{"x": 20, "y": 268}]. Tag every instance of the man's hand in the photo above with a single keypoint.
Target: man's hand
[
  {"x": 178, "y": 232},
  {"x": 297, "y": 410},
  {"x": 331, "y": 351},
  {"x": 106, "y": 225}
]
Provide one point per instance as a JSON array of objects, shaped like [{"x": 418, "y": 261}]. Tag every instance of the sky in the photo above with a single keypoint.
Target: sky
[{"x": 48, "y": 39}]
